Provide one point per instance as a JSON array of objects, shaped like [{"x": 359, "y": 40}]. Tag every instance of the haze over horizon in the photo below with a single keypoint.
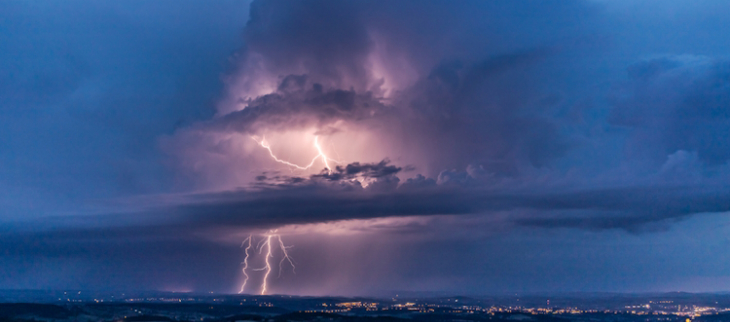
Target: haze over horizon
[{"x": 470, "y": 147}]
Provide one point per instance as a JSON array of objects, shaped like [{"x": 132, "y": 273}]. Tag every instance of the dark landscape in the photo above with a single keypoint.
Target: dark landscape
[{"x": 158, "y": 306}]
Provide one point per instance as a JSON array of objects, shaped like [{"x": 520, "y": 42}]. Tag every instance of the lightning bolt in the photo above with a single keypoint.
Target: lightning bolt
[
  {"x": 267, "y": 244},
  {"x": 320, "y": 155},
  {"x": 324, "y": 157},
  {"x": 245, "y": 262},
  {"x": 285, "y": 256}
]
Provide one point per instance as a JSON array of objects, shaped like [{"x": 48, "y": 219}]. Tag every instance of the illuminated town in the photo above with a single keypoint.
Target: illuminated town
[{"x": 90, "y": 306}]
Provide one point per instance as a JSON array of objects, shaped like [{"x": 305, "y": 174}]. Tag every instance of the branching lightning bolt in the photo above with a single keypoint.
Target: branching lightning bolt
[
  {"x": 285, "y": 256},
  {"x": 320, "y": 155},
  {"x": 324, "y": 157},
  {"x": 266, "y": 243},
  {"x": 245, "y": 262},
  {"x": 268, "y": 265}
]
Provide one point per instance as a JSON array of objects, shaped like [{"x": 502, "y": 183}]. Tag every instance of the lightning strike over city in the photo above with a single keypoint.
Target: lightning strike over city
[
  {"x": 245, "y": 262},
  {"x": 285, "y": 256},
  {"x": 266, "y": 249},
  {"x": 266, "y": 268}
]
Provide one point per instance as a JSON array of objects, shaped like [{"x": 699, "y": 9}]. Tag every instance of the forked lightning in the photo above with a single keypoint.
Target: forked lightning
[
  {"x": 265, "y": 243},
  {"x": 320, "y": 155}
]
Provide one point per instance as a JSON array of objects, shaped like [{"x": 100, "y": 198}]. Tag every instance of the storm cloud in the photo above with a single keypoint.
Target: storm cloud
[
  {"x": 417, "y": 128},
  {"x": 678, "y": 103},
  {"x": 464, "y": 120}
]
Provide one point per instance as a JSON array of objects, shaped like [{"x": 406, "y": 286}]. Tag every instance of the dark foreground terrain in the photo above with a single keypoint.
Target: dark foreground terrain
[{"x": 90, "y": 306}]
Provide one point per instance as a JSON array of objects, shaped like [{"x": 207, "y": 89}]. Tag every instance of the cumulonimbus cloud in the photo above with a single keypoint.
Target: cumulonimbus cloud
[{"x": 465, "y": 108}]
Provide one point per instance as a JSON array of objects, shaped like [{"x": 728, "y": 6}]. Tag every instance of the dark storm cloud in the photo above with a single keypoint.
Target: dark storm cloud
[
  {"x": 328, "y": 39},
  {"x": 305, "y": 201},
  {"x": 331, "y": 40},
  {"x": 300, "y": 103},
  {"x": 484, "y": 108},
  {"x": 631, "y": 209},
  {"x": 364, "y": 170},
  {"x": 479, "y": 100},
  {"x": 678, "y": 103},
  {"x": 379, "y": 174},
  {"x": 487, "y": 112},
  {"x": 469, "y": 91}
]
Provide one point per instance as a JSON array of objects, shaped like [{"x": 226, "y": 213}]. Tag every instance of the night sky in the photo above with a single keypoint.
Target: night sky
[{"x": 455, "y": 147}]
